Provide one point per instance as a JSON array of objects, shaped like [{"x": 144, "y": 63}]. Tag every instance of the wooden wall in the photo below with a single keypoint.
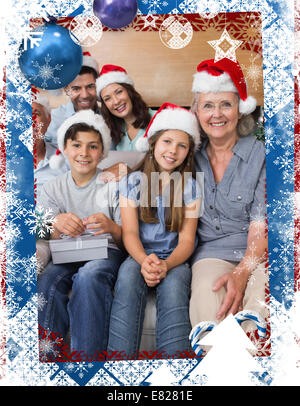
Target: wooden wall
[{"x": 162, "y": 74}]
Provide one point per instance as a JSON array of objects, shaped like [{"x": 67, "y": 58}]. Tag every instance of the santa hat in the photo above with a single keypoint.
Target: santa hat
[
  {"x": 41, "y": 99},
  {"x": 224, "y": 75},
  {"x": 88, "y": 117},
  {"x": 112, "y": 74},
  {"x": 170, "y": 117},
  {"x": 87, "y": 60}
]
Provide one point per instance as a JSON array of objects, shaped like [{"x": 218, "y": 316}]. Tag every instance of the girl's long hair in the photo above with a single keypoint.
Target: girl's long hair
[
  {"x": 139, "y": 109},
  {"x": 174, "y": 214}
]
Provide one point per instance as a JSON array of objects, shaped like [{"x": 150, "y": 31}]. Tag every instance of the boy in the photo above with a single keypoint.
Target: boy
[{"x": 80, "y": 201}]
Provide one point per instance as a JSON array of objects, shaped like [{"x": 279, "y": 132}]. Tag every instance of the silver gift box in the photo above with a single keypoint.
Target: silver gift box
[{"x": 86, "y": 247}]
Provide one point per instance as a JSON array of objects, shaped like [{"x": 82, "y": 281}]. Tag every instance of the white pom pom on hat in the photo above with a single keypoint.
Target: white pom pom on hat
[
  {"x": 224, "y": 75},
  {"x": 170, "y": 117},
  {"x": 57, "y": 161},
  {"x": 112, "y": 74},
  {"x": 94, "y": 120}
]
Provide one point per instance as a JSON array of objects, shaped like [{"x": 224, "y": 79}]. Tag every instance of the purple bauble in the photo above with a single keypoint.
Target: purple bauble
[{"x": 115, "y": 13}]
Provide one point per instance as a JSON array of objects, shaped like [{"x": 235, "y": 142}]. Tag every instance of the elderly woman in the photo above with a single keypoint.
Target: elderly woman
[{"x": 228, "y": 265}]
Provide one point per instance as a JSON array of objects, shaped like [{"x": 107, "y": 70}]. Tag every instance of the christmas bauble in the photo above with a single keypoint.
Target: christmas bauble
[
  {"x": 115, "y": 13},
  {"x": 52, "y": 59}
]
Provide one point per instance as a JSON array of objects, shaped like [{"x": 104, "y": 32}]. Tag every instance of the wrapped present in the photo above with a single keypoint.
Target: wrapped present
[{"x": 85, "y": 247}]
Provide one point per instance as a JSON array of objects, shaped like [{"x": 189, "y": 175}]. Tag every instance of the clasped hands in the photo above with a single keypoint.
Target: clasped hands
[{"x": 153, "y": 270}]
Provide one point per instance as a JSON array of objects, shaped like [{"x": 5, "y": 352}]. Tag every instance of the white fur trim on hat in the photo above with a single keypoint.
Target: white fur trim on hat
[
  {"x": 90, "y": 118},
  {"x": 112, "y": 77},
  {"x": 171, "y": 119},
  {"x": 206, "y": 83},
  {"x": 57, "y": 161}
]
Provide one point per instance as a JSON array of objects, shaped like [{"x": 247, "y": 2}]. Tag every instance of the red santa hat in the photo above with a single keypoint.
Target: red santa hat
[
  {"x": 87, "y": 60},
  {"x": 112, "y": 74},
  {"x": 170, "y": 117},
  {"x": 224, "y": 75},
  {"x": 96, "y": 121}
]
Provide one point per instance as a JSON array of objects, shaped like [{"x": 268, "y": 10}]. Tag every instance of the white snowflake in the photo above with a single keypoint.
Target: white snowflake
[
  {"x": 42, "y": 221},
  {"x": 278, "y": 90},
  {"x": 206, "y": 8},
  {"x": 285, "y": 163},
  {"x": 18, "y": 117},
  {"x": 46, "y": 72},
  {"x": 253, "y": 71},
  {"x": 283, "y": 208},
  {"x": 32, "y": 37},
  {"x": 29, "y": 268},
  {"x": 154, "y": 6},
  {"x": 81, "y": 368},
  {"x": 62, "y": 379},
  {"x": 252, "y": 261},
  {"x": 258, "y": 220},
  {"x": 12, "y": 233},
  {"x": 48, "y": 347},
  {"x": 20, "y": 270},
  {"x": 102, "y": 378}
]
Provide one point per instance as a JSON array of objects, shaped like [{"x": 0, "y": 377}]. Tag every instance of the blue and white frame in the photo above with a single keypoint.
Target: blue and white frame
[{"x": 20, "y": 359}]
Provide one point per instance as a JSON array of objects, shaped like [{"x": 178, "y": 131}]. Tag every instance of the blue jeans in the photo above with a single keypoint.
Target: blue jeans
[
  {"x": 86, "y": 313},
  {"x": 128, "y": 310}
]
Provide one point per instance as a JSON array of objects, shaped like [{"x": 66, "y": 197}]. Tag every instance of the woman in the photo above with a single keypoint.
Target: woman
[
  {"x": 124, "y": 110},
  {"x": 228, "y": 268}
]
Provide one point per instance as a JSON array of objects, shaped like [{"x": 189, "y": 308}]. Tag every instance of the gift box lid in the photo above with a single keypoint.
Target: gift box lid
[{"x": 85, "y": 241}]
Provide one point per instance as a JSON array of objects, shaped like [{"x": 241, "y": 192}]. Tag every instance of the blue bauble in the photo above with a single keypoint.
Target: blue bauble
[
  {"x": 55, "y": 62},
  {"x": 115, "y": 13}
]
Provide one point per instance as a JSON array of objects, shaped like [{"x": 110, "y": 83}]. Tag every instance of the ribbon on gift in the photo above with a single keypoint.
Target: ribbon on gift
[
  {"x": 78, "y": 243},
  {"x": 87, "y": 232}
]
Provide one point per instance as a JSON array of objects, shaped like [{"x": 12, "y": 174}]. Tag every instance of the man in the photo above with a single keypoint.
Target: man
[{"x": 82, "y": 94}]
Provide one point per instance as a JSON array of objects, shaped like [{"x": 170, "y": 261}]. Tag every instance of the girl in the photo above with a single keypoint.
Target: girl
[
  {"x": 124, "y": 110},
  {"x": 159, "y": 206}
]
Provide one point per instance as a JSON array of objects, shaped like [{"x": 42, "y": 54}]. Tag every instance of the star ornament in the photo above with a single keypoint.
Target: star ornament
[
  {"x": 149, "y": 20},
  {"x": 225, "y": 47}
]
